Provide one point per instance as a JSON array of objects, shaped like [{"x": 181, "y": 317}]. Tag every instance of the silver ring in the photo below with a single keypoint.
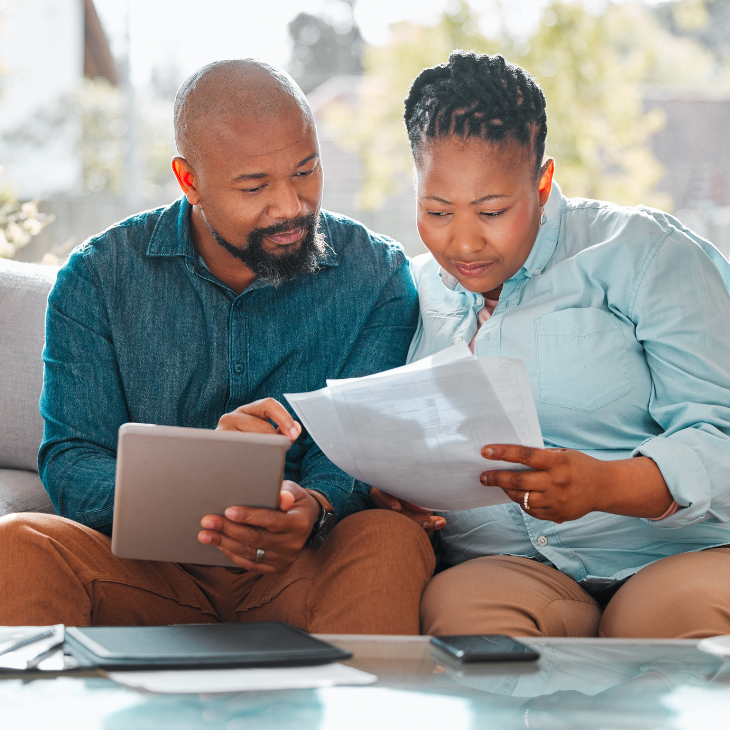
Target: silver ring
[
  {"x": 260, "y": 555},
  {"x": 525, "y": 502}
]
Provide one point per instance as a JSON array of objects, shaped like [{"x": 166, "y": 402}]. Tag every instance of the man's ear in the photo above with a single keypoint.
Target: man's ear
[
  {"x": 545, "y": 184},
  {"x": 186, "y": 178}
]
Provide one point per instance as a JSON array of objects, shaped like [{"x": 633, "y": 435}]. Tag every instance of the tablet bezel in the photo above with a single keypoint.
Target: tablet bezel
[{"x": 169, "y": 477}]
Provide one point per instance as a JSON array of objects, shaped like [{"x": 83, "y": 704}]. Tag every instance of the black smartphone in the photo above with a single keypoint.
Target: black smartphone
[{"x": 485, "y": 648}]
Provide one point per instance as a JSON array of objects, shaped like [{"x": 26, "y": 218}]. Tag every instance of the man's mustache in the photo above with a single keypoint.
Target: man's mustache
[{"x": 305, "y": 221}]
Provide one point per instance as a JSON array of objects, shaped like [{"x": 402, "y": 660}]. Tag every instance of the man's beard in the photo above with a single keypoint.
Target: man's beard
[{"x": 278, "y": 268}]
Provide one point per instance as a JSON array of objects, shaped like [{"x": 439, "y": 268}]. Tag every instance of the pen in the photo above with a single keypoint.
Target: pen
[{"x": 9, "y": 646}]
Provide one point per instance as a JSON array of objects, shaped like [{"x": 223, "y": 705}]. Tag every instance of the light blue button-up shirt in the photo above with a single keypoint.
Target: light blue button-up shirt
[{"x": 622, "y": 317}]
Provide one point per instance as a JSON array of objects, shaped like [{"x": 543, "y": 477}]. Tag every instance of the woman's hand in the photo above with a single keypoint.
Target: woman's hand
[
  {"x": 254, "y": 418},
  {"x": 567, "y": 484},
  {"x": 425, "y": 518}
]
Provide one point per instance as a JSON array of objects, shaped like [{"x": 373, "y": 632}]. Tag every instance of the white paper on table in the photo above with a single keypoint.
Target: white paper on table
[
  {"x": 18, "y": 659},
  {"x": 417, "y": 432},
  {"x": 208, "y": 681}
]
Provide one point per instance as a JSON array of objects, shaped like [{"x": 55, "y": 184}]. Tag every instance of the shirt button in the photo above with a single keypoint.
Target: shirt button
[
  {"x": 238, "y": 367},
  {"x": 486, "y": 337},
  {"x": 537, "y": 271},
  {"x": 542, "y": 541},
  {"x": 457, "y": 340}
]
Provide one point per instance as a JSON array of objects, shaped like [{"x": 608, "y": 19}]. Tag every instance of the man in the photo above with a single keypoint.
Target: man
[{"x": 219, "y": 304}]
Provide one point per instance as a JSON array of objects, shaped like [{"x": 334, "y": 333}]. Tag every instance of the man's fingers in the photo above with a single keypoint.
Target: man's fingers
[
  {"x": 236, "y": 421},
  {"x": 286, "y": 500},
  {"x": 254, "y": 418},
  {"x": 251, "y": 565},
  {"x": 527, "y": 455},
  {"x": 271, "y": 409}
]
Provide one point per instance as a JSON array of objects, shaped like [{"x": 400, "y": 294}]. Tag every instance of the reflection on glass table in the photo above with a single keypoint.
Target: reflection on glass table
[{"x": 575, "y": 684}]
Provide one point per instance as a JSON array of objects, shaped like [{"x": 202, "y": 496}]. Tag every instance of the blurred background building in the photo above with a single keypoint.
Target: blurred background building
[{"x": 638, "y": 100}]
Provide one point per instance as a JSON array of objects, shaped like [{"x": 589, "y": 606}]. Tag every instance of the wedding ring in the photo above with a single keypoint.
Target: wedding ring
[
  {"x": 526, "y": 502},
  {"x": 260, "y": 555}
]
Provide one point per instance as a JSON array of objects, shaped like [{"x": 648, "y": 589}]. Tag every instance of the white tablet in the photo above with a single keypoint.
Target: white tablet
[{"x": 169, "y": 478}]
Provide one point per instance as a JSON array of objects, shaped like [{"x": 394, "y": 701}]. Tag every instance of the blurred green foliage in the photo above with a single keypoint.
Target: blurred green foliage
[
  {"x": 593, "y": 67},
  {"x": 19, "y": 222},
  {"x": 101, "y": 109}
]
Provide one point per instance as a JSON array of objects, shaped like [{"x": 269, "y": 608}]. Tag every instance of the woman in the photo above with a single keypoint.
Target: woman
[{"x": 622, "y": 317}]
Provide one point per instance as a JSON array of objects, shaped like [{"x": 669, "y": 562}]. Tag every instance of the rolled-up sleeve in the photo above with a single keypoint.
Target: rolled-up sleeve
[{"x": 681, "y": 309}]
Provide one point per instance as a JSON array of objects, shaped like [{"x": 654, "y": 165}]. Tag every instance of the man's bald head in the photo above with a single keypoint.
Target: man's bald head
[{"x": 226, "y": 92}]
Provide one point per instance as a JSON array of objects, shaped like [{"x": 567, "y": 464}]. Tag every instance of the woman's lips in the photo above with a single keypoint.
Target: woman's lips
[
  {"x": 472, "y": 270},
  {"x": 288, "y": 238}
]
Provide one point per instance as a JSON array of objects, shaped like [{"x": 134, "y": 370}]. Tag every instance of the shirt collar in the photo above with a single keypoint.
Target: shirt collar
[
  {"x": 542, "y": 249},
  {"x": 171, "y": 236},
  {"x": 547, "y": 236}
]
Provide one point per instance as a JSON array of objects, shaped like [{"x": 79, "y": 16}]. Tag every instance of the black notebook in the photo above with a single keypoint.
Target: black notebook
[{"x": 264, "y": 644}]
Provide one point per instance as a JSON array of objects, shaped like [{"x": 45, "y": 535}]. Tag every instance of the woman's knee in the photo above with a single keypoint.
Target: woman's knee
[
  {"x": 507, "y": 595},
  {"x": 684, "y": 596}
]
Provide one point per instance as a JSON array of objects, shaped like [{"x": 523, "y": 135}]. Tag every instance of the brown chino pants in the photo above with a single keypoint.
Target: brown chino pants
[
  {"x": 684, "y": 596},
  {"x": 366, "y": 578}
]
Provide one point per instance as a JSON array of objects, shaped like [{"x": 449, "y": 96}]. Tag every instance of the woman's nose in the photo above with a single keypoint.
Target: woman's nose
[{"x": 466, "y": 237}]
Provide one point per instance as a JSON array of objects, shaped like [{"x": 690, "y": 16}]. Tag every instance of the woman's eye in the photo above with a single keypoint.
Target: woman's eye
[
  {"x": 438, "y": 213},
  {"x": 491, "y": 215}
]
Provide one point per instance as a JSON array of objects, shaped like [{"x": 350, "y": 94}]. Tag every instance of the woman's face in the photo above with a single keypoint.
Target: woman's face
[{"x": 479, "y": 207}]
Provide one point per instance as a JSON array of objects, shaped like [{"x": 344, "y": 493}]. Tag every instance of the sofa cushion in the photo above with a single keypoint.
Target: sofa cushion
[
  {"x": 23, "y": 295},
  {"x": 22, "y": 491}
]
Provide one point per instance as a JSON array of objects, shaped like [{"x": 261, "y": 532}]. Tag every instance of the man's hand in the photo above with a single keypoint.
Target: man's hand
[
  {"x": 281, "y": 533},
  {"x": 254, "y": 418},
  {"x": 567, "y": 484},
  {"x": 424, "y": 518}
]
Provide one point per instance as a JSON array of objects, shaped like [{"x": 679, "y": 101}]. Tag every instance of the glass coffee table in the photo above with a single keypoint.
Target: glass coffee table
[{"x": 579, "y": 683}]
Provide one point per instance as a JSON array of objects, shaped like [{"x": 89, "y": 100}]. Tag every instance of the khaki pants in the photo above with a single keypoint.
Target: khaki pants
[
  {"x": 684, "y": 596},
  {"x": 367, "y": 577}
]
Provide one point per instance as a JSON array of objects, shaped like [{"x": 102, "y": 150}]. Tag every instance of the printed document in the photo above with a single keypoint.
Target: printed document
[{"x": 417, "y": 431}]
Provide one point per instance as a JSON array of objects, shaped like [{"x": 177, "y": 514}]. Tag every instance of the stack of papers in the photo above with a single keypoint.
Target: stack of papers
[
  {"x": 417, "y": 431},
  {"x": 205, "y": 681}
]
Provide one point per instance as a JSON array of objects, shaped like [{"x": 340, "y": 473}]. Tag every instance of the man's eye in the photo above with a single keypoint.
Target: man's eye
[
  {"x": 438, "y": 213},
  {"x": 252, "y": 190},
  {"x": 305, "y": 173},
  {"x": 491, "y": 215}
]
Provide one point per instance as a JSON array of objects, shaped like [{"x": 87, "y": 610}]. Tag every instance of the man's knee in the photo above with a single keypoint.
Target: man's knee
[
  {"x": 389, "y": 534},
  {"x": 390, "y": 542},
  {"x": 16, "y": 529}
]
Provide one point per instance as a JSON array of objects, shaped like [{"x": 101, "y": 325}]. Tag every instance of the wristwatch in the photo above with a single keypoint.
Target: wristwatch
[{"x": 322, "y": 526}]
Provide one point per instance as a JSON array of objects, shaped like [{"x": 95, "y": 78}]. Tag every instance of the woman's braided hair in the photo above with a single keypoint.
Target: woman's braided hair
[{"x": 476, "y": 95}]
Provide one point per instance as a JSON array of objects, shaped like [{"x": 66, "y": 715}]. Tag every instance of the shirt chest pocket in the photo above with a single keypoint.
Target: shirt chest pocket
[{"x": 582, "y": 359}]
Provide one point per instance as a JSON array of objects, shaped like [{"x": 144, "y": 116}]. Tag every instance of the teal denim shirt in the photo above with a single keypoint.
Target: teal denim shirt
[
  {"x": 138, "y": 329},
  {"x": 622, "y": 317}
]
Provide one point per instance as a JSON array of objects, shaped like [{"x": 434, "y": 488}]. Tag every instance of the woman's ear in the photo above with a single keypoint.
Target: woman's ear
[{"x": 545, "y": 183}]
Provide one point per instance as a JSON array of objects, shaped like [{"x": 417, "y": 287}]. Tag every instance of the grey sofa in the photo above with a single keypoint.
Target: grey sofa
[{"x": 23, "y": 294}]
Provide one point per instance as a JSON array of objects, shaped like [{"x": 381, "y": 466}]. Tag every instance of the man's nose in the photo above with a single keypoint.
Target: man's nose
[{"x": 284, "y": 202}]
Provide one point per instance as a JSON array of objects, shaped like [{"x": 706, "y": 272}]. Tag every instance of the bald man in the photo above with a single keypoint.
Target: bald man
[{"x": 203, "y": 314}]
